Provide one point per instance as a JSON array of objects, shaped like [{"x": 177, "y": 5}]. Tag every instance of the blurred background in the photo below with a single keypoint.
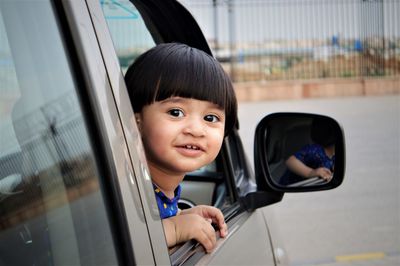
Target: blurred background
[
  {"x": 301, "y": 39},
  {"x": 289, "y": 46}
]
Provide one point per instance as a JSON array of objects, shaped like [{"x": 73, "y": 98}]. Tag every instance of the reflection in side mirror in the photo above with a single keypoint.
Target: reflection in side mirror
[{"x": 300, "y": 152}]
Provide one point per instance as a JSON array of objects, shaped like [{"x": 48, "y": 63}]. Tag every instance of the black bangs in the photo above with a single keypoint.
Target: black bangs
[
  {"x": 173, "y": 69},
  {"x": 196, "y": 75}
]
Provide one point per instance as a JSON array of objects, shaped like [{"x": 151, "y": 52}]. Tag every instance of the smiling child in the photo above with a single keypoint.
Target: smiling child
[{"x": 184, "y": 105}]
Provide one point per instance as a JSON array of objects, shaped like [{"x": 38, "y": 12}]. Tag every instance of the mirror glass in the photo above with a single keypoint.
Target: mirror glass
[{"x": 301, "y": 149}]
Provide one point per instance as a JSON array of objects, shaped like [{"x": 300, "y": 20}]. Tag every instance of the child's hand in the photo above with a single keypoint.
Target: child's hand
[
  {"x": 195, "y": 223},
  {"x": 182, "y": 228},
  {"x": 322, "y": 172},
  {"x": 212, "y": 214}
]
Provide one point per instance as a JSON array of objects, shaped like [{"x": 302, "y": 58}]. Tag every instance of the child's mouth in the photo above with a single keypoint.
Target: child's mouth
[
  {"x": 191, "y": 147},
  {"x": 190, "y": 150}
]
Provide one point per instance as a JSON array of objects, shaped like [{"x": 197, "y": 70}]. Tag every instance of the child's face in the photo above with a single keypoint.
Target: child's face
[{"x": 181, "y": 134}]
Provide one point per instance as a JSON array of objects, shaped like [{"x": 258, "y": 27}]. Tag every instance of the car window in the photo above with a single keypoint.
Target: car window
[
  {"x": 128, "y": 30},
  {"x": 52, "y": 210}
]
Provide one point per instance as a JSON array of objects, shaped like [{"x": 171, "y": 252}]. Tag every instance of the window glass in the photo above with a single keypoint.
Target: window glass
[
  {"x": 52, "y": 211},
  {"x": 128, "y": 30}
]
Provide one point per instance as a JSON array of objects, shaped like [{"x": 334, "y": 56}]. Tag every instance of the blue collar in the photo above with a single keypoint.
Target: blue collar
[{"x": 167, "y": 207}]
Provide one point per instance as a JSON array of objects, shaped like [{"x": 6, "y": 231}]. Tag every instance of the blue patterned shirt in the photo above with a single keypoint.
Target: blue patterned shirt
[
  {"x": 314, "y": 156},
  {"x": 167, "y": 207}
]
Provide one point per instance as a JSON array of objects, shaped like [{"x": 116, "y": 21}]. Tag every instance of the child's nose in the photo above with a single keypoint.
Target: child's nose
[{"x": 195, "y": 127}]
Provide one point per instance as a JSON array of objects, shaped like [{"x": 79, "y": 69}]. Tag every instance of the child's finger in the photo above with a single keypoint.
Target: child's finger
[
  {"x": 207, "y": 238},
  {"x": 223, "y": 230},
  {"x": 222, "y": 227},
  {"x": 218, "y": 220}
]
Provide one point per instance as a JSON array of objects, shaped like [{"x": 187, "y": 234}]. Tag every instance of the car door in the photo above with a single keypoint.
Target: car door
[{"x": 224, "y": 181}]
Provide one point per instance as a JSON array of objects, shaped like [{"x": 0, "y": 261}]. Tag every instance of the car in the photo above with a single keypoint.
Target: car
[{"x": 74, "y": 184}]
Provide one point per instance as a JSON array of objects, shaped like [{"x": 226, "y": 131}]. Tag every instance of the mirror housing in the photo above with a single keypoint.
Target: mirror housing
[{"x": 284, "y": 140}]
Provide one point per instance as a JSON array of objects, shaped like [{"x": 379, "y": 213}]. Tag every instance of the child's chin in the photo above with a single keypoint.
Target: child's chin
[{"x": 190, "y": 168}]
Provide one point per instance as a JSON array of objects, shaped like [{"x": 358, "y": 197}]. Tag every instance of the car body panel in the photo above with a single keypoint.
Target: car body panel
[{"x": 246, "y": 230}]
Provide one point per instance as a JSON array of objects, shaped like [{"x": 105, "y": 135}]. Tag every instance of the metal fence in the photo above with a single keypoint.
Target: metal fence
[{"x": 302, "y": 39}]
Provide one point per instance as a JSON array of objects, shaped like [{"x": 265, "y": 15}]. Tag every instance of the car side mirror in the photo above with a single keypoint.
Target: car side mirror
[{"x": 298, "y": 152}]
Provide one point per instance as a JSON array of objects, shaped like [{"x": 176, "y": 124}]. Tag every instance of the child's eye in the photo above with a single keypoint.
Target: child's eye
[
  {"x": 211, "y": 118},
  {"x": 176, "y": 113}
]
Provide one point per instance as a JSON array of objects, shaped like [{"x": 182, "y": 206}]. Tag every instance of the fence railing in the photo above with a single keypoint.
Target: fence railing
[{"x": 302, "y": 39}]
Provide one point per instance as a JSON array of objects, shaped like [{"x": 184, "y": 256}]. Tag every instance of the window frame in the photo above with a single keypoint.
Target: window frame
[
  {"x": 122, "y": 197},
  {"x": 102, "y": 153}
]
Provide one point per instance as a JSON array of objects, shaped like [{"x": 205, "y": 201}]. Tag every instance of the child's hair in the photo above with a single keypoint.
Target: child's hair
[
  {"x": 174, "y": 69},
  {"x": 323, "y": 131}
]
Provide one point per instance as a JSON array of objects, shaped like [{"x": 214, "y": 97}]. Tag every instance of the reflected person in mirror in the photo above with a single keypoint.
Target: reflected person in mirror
[
  {"x": 316, "y": 159},
  {"x": 184, "y": 105}
]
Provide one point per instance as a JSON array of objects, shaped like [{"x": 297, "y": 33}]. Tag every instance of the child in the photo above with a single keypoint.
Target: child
[
  {"x": 184, "y": 105},
  {"x": 316, "y": 159}
]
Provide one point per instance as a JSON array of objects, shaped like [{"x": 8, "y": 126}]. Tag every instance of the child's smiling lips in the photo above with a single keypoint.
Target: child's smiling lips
[
  {"x": 191, "y": 150},
  {"x": 191, "y": 147}
]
